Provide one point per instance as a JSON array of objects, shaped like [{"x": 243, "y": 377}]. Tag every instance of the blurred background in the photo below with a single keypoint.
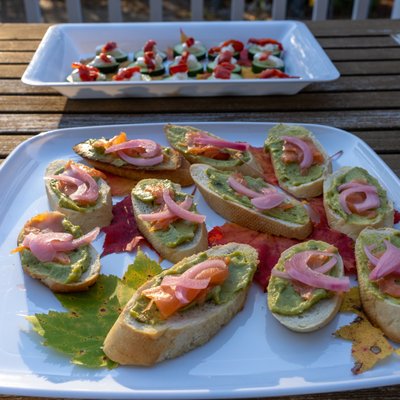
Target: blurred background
[{"x": 138, "y": 10}]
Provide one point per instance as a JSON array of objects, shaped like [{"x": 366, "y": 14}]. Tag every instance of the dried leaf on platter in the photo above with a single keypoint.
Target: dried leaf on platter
[
  {"x": 369, "y": 345},
  {"x": 352, "y": 301}
]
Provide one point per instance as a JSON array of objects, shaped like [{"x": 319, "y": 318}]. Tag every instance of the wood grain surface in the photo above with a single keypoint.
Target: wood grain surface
[{"x": 365, "y": 101}]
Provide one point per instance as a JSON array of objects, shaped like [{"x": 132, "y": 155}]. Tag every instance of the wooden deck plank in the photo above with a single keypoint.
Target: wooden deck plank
[
  {"x": 14, "y": 57},
  {"x": 19, "y": 45},
  {"x": 31, "y": 123},
  {"x": 368, "y": 67},
  {"x": 375, "y": 54},
  {"x": 357, "y": 42},
  {"x": 344, "y": 83},
  {"x": 301, "y": 102}
]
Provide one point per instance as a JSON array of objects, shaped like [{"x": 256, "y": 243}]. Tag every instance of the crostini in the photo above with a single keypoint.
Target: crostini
[
  {"x": 306, "y": 286},
  {"x": 378, "y": 269},
  {"x": 300, "y": 163},
  {"x": 199, "y": 146},
  {"x": 54, "y": 251},
  {"x": 168, "y": 219},
  {"x": 135, "y": 159},
  {"x": 80, "y": 193},
  {"x": 183, "y": 307},
  {"x": 252, "y": 202},
  {"x": 353, "y": 200}
]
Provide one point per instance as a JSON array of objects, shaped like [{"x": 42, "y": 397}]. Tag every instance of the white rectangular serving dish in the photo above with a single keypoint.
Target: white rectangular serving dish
[
  {"x": 66, "y": 43},
  {"x": 253, "y": 356}
]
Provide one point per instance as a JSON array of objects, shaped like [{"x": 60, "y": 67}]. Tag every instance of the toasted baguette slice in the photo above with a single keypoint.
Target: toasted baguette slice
[
  {"x": 173, "y": 253},
  {"x": 320, "y": 313},
  {"x": 88, "y": 277},
  {"x": 290, "y": 177},
  {"x": 249, "y": 217},
  {"x": 243, "y": 162},
  {"x": 87, "y": 218},
  {"x": 381, "y": 308},
  {"x": 174, "y": 167},
  {"x": 352, "y": 225},
  {"x": 137, "y": 343}
]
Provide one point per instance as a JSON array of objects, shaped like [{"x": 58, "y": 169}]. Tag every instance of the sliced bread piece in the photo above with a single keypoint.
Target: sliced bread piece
[
  {"x": 297, "y": 306},
  {"x": 380, "y": 298},
  {"x": 87, "y": 216},
  {"x": 353, "y": 223},
  {"x": 302, "y": 183},
  {"x": 226, "y": 159},
  {"x": 75, "y": 275},
  {"x": 291, "y": 221},
  {"x": 174, "y": 166},
  {"x": 175, "y": 239},
  {"x": 133, "y": 342}
]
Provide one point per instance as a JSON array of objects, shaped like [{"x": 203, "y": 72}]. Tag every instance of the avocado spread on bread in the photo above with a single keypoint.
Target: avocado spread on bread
[
  {"x": 66, "y": 202},
  {"x": 88, "y": 150},
  {"x": 241, "y": 271},
  {"x": 176, "y": 135},
  {"x": 374, "y": 238},
  {"x": 218, "y": 182},
  {"x": 290, "y": 172},
  {"x": 357, "y": 174},
  {"x": 283, "y": 298},
  {"x": 177, "y": 232},
  {"x": 80, "y": 260}
]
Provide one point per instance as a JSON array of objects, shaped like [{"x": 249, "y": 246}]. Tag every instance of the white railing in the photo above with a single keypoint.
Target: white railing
[{"x": 279, "y": 8}]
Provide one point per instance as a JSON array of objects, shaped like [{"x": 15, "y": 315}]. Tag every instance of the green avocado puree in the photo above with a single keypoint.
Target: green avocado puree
[
  {"x": 375, "y": 237},
  {"x": 218, "y": 182},
  {"x": 289, "y": 173},
  {"x": 179, "y": 231},
  {"x": 241, "y": 271},
  {"x": 79, "y": 260},
  {"x": 331, "y": 195},
  {"x": 282, "y": 298},
  {"x": 176, "y": 135},
  {"x": 65, "y": 202}
]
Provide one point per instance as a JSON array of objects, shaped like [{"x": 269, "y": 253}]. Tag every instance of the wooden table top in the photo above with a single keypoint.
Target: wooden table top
[{"x": 365, "y": 101}]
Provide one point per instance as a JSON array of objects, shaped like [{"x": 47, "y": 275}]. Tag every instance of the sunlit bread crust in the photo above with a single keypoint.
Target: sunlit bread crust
[
  {"x": 99, "y": 215},
  {"x": 244, "y": 216},
  {"x": 133, "y": 343}
]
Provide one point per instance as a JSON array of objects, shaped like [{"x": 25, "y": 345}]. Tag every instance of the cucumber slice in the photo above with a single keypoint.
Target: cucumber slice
[
  {"x": 257, "y": 67},
  {"x": 108, "y": 68},
  {"x": 211, "y": 66},
  {"x": 252, "y": 50},
  {"x": 200, "y": 54},
  {"x": 140, "y": 54},
  {"x": 212, "y": 57},
  {"x": 193, "y": 72}
]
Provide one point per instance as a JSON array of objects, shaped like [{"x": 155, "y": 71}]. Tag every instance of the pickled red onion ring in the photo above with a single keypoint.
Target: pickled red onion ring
[
  {"x": 89, "y": 190},
  {"x": 151, "y": 148},
  {"x": 139, "y": 161},
  {"x": 268, "y": 201},
  {"x": 45, "y": 245},
  {"x": 179, "y": 211},
  {"x": 389, "y": 262},
  {"x": 304, "y": 147},
  {"x": 372, "y": 259},
  {"x": 265, "y": 200},
  {"x": 188, "y": 280},
  {"x": 242, "y": 189},
  {"x": 186, "y": 204},
  {"x": 371, "y": 200},
  {"x": 298, "y": 269}
]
